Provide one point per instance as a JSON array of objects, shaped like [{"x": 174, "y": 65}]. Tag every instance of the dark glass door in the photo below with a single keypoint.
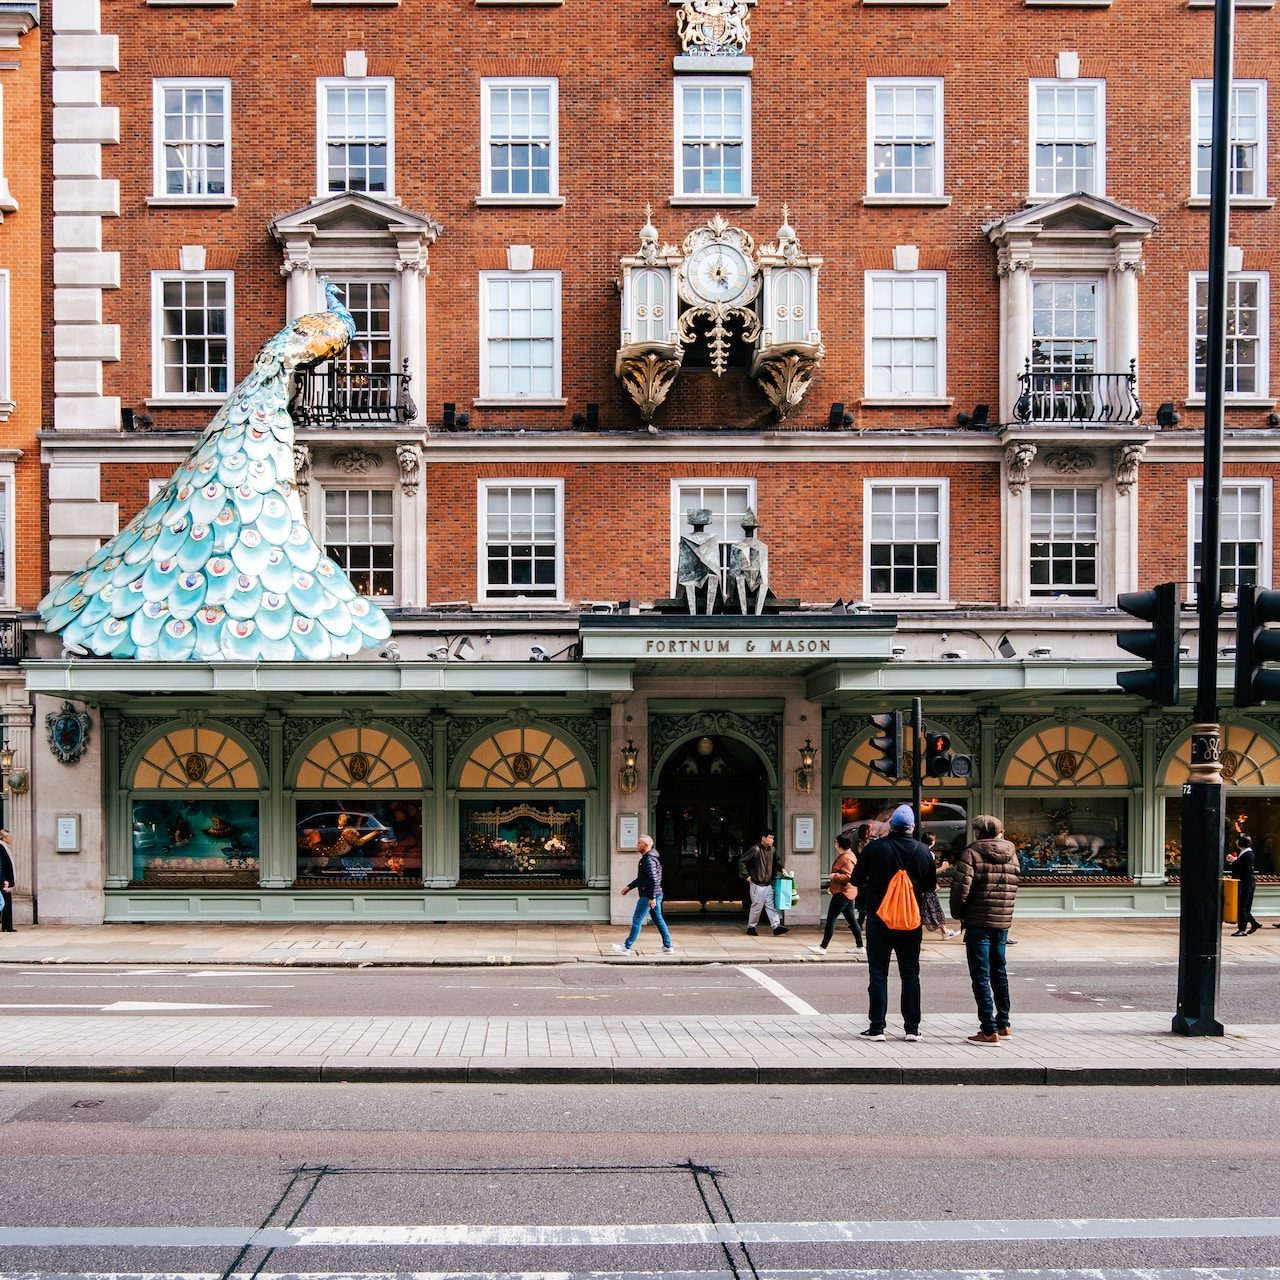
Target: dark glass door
[{"x": 712, "y": 804}]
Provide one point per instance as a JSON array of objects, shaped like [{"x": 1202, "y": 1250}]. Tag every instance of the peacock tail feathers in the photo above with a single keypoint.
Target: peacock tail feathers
[{"x": 220, "y": 565}]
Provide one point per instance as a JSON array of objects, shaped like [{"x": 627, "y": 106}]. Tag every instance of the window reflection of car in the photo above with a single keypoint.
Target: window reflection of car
[
  {"x": 345, "y": 833},
  {"x": 948, "y": 823}
]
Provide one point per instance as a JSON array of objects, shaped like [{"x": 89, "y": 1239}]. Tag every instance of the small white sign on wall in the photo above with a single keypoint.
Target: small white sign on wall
[
  {"x": 805, "y": 834},
  {"x": 66, "y": 833},
  {"x": 628, "y": 830}
]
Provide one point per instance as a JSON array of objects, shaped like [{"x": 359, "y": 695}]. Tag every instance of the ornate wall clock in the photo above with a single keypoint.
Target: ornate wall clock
[{"x": 718, "y": 279}]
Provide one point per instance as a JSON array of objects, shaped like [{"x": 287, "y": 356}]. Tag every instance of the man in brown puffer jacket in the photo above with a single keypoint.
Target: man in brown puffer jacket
[{"x": 983, "y": 888}]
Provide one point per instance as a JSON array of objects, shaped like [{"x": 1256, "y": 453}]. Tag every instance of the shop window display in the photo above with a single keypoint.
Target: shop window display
[
  {"x": 1076, "y": 837},
  {"x": 1255, "y": 816},
  {"x": 521, "y": 843},
  {"x": 206, "y": 841},
  {"x": 946, "y": 820},
  {"x": 359, "y": 840}
]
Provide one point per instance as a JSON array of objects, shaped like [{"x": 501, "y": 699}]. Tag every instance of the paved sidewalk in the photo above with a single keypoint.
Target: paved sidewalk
[
  {"x": 1087, "y": 1049},
  {"x": 464, "y": 943},
  {"x": 1074, "y": 1048}
]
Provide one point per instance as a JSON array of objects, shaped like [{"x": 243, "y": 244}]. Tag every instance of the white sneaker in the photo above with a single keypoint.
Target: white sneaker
[
  {"x": 621, "y": 950},
  {"x": 818, "y": 950},
  {"x": 952, "y": 933},
  {"x": 668, "y": 951}
]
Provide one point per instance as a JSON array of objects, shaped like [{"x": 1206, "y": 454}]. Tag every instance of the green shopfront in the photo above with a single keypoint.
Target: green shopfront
[{"x": 437, "y": 791}]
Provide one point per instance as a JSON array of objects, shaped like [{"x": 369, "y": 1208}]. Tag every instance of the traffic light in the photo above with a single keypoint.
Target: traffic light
[
  {"x": 1256, "y": 645},
  {"x": 940, "y": 761},
  {"x": 937, "y": 754},
  {"x": 887, "y": 743},
  {"x": 1159, "y": 606}
]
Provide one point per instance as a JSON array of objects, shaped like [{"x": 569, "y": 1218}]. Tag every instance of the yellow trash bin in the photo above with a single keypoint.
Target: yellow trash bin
[{"x": 1230, "y": 899}]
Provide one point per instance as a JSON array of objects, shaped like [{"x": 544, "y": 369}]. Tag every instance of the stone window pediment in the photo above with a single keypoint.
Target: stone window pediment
[{"x": 354, "y": 230}]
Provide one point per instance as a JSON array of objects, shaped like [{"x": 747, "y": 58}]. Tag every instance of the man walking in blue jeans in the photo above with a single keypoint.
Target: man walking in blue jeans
[
  {"x": 983, "y": 889},
  {"x": 878, "y": 863},
  {"x": 648, "y": 884}
]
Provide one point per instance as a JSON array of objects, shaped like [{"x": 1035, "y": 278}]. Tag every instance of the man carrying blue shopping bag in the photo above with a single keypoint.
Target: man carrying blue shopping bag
[{"x": 760, "y": 867}]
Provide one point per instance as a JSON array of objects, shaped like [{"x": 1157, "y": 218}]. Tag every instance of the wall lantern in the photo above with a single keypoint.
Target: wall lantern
[
  {"x": 629, "y": 775},
  {"x": 14, "y": 781},
  {"x": 804, "y": 774}
]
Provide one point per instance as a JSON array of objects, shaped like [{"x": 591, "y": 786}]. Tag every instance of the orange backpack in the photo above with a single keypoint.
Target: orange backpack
[{"x": 898, "y": 908}]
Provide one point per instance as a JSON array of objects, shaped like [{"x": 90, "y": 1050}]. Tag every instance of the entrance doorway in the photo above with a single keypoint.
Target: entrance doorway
[{"x": 712, "y": 803}]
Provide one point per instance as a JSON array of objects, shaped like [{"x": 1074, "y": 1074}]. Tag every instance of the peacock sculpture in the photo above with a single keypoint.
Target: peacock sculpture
[{"x": 220, "y": 564}]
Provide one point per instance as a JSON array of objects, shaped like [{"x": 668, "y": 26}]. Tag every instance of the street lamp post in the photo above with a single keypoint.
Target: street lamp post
[{"x": 1200, "y": 925}]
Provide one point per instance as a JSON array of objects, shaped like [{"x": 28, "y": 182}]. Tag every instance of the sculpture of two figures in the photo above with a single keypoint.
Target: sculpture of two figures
[
  {"x": 700, "y": 565},
  {"x": 698, "y": 568}
]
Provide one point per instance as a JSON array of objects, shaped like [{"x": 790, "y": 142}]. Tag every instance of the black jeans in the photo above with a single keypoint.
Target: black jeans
[
  {"x": 837, "y": 907},
  {"x": 882, "y": 943},
  {"x": 6, "y": 912},
  {"x": 984, "y": 949}
]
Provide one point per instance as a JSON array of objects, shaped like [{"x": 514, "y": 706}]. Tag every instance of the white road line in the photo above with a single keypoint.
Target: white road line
[
  {"x": 536, "y": 1236},
  {"x": 793, "y": 1002},
  {"x": 1108, "y": 1273},
  {"x": 135, "y": 1006}
]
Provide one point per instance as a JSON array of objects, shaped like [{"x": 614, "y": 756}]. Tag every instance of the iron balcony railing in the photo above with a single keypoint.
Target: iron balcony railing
[
  {"x": 1060, "y": 395},
  {"x": 334, "y": 397},
  {"x": 10, "y": 642}
]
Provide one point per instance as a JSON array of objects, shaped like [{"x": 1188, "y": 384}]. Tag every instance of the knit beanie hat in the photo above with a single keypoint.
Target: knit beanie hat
[{"x": 904, "y": 817}]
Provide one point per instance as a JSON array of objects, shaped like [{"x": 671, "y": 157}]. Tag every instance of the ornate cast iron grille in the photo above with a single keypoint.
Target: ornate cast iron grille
[
  {"x": 335, "y": 397},
  {"x": 10, "y": 642},
  {"x": 1061, "y": 395}
]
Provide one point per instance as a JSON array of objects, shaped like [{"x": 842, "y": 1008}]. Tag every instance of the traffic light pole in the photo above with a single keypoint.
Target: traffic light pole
[
  {"x": 1200, "y": 926},
  {"x": 917, "y": 761}
]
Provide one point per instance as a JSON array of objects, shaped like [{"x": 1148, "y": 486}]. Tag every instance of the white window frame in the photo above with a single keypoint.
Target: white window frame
[
  {"x": 1202, "y": 88},
  {"x": 158, "y": 393},
  {"x": 1044, "y": 594},
  {"x": 1099, "y": 88},
  {"x": 323, "y": 84},
  {"x": 159, "y": 194},
  {"x": 939, "y": 394},
  {"x": 679, "y": 506},
  {"x": 508, "y": 601},
  {"x": 353, "y": 485},
  {"x": 1260, "y": 484},
  {"x": 1261, "y": 396},
  {"x": 935, "y": 86},
  {"x": 487, "y": 395},
  {"x": 682, "y": 196},
  {"x": 943, "y": 486},
  {"x": 9, "y": 490},
  {"x": 6, "y": 339},
  {"x": 487, "y": 193}
]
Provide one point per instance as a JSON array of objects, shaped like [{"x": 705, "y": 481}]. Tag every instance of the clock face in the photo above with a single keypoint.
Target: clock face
[{"x": 718, "y": 273}]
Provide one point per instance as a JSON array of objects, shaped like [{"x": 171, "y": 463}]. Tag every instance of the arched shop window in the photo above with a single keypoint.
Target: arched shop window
[
  {"x": 534, "y": 833},
  {"x": 358, "y": 812},
  {"x": 195, "y": 811},
  {"x": 1067, "y": 791},
  {"x": 1251, "y": 770},
  {"x": 868, "y": 797}
]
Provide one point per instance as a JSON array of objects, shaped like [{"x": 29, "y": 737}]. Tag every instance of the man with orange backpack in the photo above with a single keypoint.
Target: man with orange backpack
[{"x": 892, "y": 874}]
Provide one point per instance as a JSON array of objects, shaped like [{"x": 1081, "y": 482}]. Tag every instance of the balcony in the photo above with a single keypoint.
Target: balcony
[
  {"x": 333, "y": 397},
  {"x": 11, "y": 645},
  {"x": 1061, "y": 395}
]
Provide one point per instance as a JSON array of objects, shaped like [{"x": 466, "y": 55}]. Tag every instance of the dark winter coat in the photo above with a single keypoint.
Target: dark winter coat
[
  {"x": 1244, "y": 868},
  {"x": 880, "y": 861},
  {"x": 760, "y": 865},
  {"x": 984, "y": 884},
  {"x": 648, "y": 881}
]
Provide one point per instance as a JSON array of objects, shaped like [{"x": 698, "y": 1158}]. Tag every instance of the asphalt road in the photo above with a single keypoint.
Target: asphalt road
[
  {"x": 811, "y": 1181},
  {"x": 1249, "y": 991}
]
